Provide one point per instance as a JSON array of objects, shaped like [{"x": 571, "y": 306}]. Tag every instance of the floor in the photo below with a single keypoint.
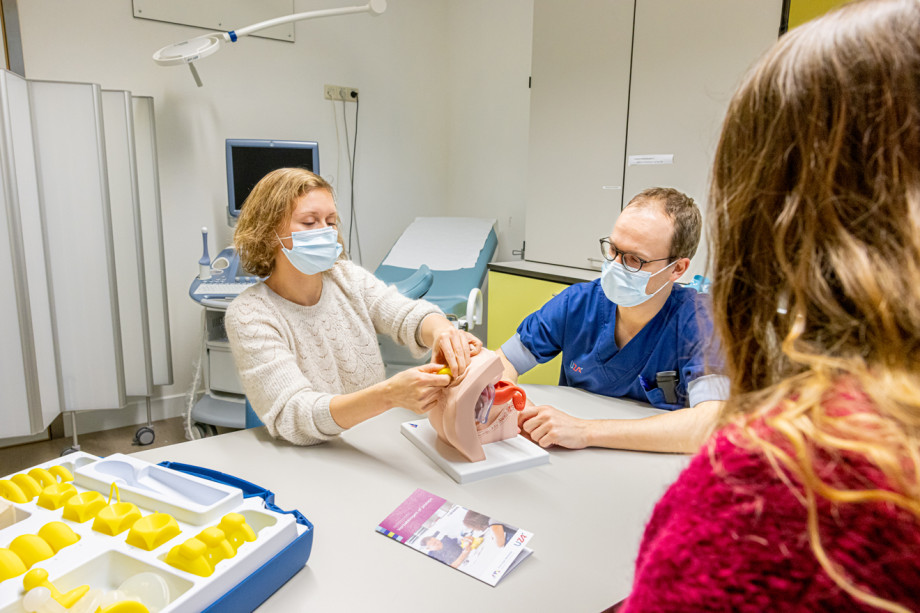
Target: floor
[{"x": 103, "y": 443}]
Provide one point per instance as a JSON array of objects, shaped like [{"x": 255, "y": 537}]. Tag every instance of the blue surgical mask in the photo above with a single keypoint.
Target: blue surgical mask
[
  {"x": 313, "y": 251},
  {"x": 625, "y": 288}
]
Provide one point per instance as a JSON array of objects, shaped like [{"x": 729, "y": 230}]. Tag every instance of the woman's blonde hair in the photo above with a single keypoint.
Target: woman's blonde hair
[
  {"x": 815, "y": 249},
  {"x": 269, "y": 207}
]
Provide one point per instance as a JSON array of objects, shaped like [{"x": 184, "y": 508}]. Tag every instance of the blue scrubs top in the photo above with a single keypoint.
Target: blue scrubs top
[{"x": 580, "y": 322}]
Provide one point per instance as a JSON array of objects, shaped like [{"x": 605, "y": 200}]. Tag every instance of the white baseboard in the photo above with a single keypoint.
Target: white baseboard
[{"x": 133, "y": 414}]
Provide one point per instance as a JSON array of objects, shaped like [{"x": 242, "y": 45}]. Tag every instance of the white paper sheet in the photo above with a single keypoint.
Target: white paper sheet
[{"x": 443, "y": 243}]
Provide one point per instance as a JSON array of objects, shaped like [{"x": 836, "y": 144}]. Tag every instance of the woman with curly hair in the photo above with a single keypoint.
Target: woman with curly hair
[{"x": 305, "y": 338}]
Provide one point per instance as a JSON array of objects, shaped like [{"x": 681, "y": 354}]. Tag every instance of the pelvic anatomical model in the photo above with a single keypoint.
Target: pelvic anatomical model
[{"x": 481, "y": 409}]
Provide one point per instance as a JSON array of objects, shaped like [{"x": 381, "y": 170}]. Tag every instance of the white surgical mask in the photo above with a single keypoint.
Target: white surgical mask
[
  {"x": 625, "y": 288},
  {"x": 313, "y": 251}
]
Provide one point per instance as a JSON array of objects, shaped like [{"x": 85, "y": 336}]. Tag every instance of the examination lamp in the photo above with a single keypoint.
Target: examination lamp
[{"x": 194, "y": 49}]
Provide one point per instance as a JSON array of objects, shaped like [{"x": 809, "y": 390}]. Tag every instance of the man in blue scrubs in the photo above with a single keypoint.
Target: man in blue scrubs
[{"x": 632, "y": 333}]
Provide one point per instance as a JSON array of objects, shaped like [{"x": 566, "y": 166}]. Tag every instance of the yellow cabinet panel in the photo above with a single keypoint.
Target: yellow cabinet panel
[{"x": 511, "y": 299}]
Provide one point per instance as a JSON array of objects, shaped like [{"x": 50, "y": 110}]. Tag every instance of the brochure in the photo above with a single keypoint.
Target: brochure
[{"x": 466, "y": 540}]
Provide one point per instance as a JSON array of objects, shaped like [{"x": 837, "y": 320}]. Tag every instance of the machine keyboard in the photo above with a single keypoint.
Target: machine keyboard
[{"x": 221, "y": 289}]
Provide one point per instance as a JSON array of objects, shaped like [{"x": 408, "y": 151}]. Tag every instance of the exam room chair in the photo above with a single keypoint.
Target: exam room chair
[{"x": 449, "y": 290}]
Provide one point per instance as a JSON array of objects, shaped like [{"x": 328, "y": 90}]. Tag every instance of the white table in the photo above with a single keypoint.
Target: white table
[{"x": 586, "y": 508}]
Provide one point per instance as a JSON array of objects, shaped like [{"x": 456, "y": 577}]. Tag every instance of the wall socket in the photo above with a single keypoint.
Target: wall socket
[{"x": 337, "y": 92}]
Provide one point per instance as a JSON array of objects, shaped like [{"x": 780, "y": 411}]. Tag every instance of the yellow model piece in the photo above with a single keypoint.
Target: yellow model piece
[
  {"x": 219, "y": 548},
  {"x": 61, "y": 473},
  {"x": 44, "y": 477},
  {"x": 58, "y": 535},
  {"x": 12, "y": 492},
  {"x": 38, "y": 577},
  {"x": 29, "y": 486},
  {"x": 55, "y": 495},
  {"x": 445, "y": 371},
  {"x": 10, "y": 565},
  {"x": 115, "y": 518},
  {"x": 234, "y": 526},
  {"x": 150, "y": 532},
  {"x": 83, "y": 506},
  {"x": 190, "y": 556},
  {"x": 31, "y": 548}
]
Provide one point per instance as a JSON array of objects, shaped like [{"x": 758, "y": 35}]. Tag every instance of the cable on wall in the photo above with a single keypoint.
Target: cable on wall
[{"x": 351, "y": 150}]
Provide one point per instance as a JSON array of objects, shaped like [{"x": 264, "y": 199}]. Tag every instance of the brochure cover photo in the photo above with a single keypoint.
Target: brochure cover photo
[{"x": 463, "y": 539}]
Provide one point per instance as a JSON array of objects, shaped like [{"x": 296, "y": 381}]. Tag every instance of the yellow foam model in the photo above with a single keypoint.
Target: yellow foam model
[
  {"x": 445, "y": 371},
  {"x": 114, "y": 519},
  {"x": 150, "y": 532},
  {"x": 29, "y": 486},
  {"x": 61, "y": 473},
  {"x": 83, "y": 506},
  {"x": 24, "y": 487},
  {"x": 219, "y": 548},
  {"x": 44, "y": 477},
  {"x": 12, "y": 492},
  {"x": 31, "y": 548},
  {"x": 200, "y": 555},
  {"x": 38, "y": 577},
  {"x": 192, "y": 557},
  {"x": 58, "y": 535},
  {"x": 237, "y": 531},
  {"x": 10, "y": 565},
  {"x": 55, "y": 495}
]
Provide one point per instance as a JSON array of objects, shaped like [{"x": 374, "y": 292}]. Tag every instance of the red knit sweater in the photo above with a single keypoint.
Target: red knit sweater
[{"x": 729, "y": 535}]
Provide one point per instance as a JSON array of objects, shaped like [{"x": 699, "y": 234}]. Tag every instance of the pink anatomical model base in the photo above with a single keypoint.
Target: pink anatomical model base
[{"x": 481, "y": 409}]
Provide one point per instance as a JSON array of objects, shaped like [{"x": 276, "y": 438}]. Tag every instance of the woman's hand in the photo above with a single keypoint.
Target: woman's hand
[
  {"x": 454, "y": 348},
  {"x": 417, "y": 389}
]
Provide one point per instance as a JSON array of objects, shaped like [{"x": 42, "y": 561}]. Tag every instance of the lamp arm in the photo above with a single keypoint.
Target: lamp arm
[{"x": 277, "y": 21}]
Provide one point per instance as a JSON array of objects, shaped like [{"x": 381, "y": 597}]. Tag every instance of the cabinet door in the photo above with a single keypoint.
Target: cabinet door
[
  {"x": 688, "y": 59},
  {"x": 148, "y": 188},
  {"x": 29, "y": 375},
  {"x": 511, "y": 299},
  {"x": 128, "y": 241},
  {"x": 70, "y": 151},
  {"x": 578, "y": 106}
]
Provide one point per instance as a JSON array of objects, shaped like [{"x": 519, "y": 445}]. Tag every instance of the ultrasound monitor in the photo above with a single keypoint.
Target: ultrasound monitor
[{"x": 248, "y": 160}]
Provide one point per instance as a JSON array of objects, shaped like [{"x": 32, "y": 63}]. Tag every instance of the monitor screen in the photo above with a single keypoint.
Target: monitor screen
[{"x": 249, "y": 160}]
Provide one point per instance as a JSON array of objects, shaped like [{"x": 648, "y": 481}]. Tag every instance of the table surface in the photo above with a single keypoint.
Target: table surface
[{"x": 587, "y": 510}]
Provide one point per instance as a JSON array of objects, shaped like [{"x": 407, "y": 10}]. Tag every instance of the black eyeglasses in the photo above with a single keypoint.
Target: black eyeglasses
[{"x": 630, "y": 261}]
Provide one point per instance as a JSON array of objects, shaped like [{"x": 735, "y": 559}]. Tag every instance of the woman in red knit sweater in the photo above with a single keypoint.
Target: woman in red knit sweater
[{"x": 808, "y": 496}]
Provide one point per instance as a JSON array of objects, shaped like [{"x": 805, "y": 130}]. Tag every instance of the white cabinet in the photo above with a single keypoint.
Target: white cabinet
[
  {"x": 688, "y": 59},
  {"x": 620, "y": 78},
  {"x": 578, "y": 107}
]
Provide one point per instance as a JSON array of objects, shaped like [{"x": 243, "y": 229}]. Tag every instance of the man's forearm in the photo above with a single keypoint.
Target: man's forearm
[{"x": 681, "y": 431}]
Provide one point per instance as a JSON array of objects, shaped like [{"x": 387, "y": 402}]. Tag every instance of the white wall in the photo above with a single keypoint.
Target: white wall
[
  {"x": 489, "y": 113},
  {"x": 442, "y": 130}
]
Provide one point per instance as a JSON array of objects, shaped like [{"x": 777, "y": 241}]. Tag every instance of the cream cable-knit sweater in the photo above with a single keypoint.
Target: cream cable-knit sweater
[{"x": 293, "y": 359}]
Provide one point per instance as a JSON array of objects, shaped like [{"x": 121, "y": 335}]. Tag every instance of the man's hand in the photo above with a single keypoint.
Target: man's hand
[{"x": 548, "y": 425}]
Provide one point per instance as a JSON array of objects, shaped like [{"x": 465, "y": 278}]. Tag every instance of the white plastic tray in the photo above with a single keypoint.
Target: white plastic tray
[{"x": 104, "y": 562}]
